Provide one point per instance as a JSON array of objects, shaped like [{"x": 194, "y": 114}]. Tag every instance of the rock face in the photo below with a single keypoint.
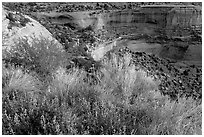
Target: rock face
[
  {"x": 174, "y": 19},
  {"x": 16, "y": 25},
  {"x": 74, "y": 20},
  {"x": 99, "y": 53}
]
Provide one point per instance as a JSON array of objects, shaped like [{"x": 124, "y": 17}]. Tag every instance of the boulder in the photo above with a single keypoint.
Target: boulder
[{"x": 16, "y": 25}]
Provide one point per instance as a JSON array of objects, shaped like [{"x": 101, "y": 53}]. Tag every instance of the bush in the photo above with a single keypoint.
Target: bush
[
  {"x": 122, "y": 79},
  {"x": 123, "y": 101},
  {"x": 179, "y": 118},
  {"x": 28, "y": 108},
  {"x": 41, "y": 55}
]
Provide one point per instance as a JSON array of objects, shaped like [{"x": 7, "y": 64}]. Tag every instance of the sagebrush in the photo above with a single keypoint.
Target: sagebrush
[{"x": 122, "y": 100}]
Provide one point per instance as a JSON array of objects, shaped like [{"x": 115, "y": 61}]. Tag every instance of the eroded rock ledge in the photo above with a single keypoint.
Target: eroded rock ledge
[{"x": 175, "y": 20}]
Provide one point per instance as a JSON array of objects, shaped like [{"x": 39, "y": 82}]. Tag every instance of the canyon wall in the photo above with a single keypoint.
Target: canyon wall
[
  {"x": 169, "y": 19},
  {"x": 173, "y": 19},
  {"x": 180, "y": 19}
]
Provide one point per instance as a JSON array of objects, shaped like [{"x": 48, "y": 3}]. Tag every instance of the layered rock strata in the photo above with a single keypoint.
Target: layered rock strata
[{"x": 174, "y": 20}]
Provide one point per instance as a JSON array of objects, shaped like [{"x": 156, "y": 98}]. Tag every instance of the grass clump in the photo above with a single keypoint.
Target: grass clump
[
  {"x": 39, "y": 55},
  {"x": 122, "y": 101}
]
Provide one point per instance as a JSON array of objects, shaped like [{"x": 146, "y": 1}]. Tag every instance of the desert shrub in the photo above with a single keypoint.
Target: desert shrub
[
  {"x": 123, "y": 79},
  {"x": 28, "y": 108},
  {"x": 19, "y": 88},
  {"x": 124, "y": 101},
  {"x": 177, "y": 118},
  {"x": 16, "y": 79},
  {"x": 40, "y": 55}
]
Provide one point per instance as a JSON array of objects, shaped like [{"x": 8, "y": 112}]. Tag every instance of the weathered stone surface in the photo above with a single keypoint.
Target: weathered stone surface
[
  {"x": 176, "y": 22},
  {"x": 99, "y": 53},
  {"x": 16, "y": 25},
  {"x": 174, "y": 19}
]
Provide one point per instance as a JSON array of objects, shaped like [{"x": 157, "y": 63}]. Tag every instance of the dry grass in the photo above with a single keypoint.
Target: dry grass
[
  {"x": 122, "y": 101},
  {"x": 42, "y": 56}
]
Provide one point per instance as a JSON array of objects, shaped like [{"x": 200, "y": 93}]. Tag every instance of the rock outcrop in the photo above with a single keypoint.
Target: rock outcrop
[
  {"x": 16, "y": 25},
  {"x": 176, "y": 20}
]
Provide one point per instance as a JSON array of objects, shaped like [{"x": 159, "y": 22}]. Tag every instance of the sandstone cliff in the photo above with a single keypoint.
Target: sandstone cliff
[{"x": 174, "y": 19}]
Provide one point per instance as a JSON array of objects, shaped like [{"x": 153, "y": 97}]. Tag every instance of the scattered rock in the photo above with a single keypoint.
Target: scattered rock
[{"x": 172, "y": 82}]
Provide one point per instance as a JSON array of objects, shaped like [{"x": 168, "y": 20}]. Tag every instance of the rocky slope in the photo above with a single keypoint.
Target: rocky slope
[{"x": 174, "y": 81}]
